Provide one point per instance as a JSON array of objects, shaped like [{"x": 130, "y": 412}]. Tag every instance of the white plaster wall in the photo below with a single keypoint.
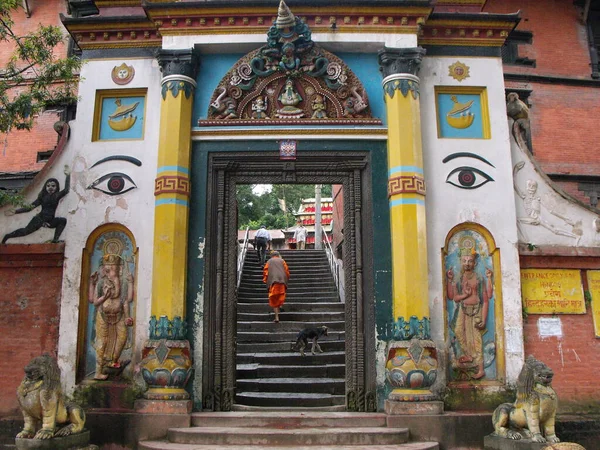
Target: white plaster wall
[
  {"x": 560, "y": 214},
  {"x": 491, "y": 205},
  {"x": 87, "y": 209}
]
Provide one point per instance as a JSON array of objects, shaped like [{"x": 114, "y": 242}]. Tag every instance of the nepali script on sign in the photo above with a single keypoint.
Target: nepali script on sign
[
  {"x": 552, "y": 291},
  {"x": 593, "y": 277}
]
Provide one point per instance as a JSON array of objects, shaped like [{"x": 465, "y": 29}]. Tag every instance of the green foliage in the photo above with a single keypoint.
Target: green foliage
[
  {"x": 267, "y": 209},
  {"x": 587, "y": 295},
  {"x": 34, "y": 78},
  {"x": 11, "y": 198}
]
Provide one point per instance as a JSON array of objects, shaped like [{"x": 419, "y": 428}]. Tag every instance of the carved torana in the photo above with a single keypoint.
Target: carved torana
[{"x": 289, "y": 80}]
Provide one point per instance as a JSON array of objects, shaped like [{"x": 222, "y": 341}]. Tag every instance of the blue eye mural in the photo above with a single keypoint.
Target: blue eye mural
[
  {"x": 467, "y": 177},
  {"x": 115, "y": 183}
]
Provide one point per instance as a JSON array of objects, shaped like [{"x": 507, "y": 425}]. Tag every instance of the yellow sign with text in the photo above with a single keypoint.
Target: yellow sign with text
[
  {"x": 593, "y": 279},
  {"x": 552, "y": 291}
]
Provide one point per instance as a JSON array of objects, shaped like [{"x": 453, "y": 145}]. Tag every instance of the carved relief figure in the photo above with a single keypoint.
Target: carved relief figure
[
  {"x": 318, "y": 107},
  {"x": 48, "y": 199},
  {"x": 111, "y": 292},
  {"x": 470, "y": 294},
  {"x": 289, "y": 98},
  {"x": 224, "y": 107},
  {"x": 42, "y": 401},
  {"x": 533, "y": 414},
  {"x": 533, "y": 207},
  {"x": 259, "y": 108}
]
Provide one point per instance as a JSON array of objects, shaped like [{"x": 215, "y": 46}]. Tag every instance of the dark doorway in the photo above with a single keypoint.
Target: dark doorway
[{"x": 225, "y": 172}]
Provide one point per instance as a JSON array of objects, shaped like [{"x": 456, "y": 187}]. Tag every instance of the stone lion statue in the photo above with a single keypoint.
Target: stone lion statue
[
  {"x": 534, "y": 410},
  {"x": 41, "y": 399}
]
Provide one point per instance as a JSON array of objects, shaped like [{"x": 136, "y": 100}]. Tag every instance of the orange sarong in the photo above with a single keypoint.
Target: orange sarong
[{"x": 277, "y": 295}]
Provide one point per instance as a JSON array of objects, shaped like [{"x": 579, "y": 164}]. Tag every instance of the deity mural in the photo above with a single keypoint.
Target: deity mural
[
  {"x": 470, "y": 301},
  {"x": 110, "y": 295}
]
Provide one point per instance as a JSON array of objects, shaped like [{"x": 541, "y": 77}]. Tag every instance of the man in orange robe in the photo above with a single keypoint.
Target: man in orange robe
[{"x": 276, "y": 275}]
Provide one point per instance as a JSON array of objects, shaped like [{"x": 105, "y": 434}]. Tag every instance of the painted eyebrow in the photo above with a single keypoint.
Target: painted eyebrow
[
  {"x": 466, "y": 155},
  {"x": 130, "y": 159}
]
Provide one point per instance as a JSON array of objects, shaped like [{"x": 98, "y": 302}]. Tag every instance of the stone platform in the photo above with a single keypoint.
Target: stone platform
[
  {"x": 79, "y": 441},
  {"x": 492, "y": 442}
]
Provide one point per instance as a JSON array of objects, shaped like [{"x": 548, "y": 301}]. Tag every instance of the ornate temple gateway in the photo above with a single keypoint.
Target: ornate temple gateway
[{"x": 401, "y": 103}]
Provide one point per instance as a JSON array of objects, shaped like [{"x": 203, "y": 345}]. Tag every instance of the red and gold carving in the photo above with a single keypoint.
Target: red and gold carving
[
  {"x": 411, "y": 184},
  {"x": 172, "y": 184}
]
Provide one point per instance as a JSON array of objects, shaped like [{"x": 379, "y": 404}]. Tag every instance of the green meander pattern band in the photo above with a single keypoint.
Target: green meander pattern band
[
  {"x": 405, "y": 330},
  {"x": 164, "y": 328}
]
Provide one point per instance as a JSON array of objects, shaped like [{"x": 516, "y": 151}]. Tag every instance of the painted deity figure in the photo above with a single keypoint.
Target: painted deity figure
[
  {"x": 472, "y": 296},
  {"x": 289, "y": 61},
  {"x": 111, "y": 292},
  {"x": 289, "y": 96},
  {"x": 259, "y": 108},
  {"x": 318, "y": 107},
  {"x": 48, "y": 199}
]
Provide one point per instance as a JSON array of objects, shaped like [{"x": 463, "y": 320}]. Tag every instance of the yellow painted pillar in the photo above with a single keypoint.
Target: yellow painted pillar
[
  {"x": 410, "y": 373},
  {"x": 167, "y": 359}
]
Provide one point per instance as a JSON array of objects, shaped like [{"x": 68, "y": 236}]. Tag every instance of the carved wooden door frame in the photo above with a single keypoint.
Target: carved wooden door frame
[{"x": 225, "y": 171}]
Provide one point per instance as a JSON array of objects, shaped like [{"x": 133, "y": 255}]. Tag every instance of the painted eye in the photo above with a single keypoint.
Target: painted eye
[
  {"x": 468, "y": 178},
  {"x": 113, "y": 184}
]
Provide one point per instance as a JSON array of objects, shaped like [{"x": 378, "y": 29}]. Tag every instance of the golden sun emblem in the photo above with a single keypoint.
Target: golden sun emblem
[
  {"x": 122, "y": 74},
  {"x": 458, "y": 71}
]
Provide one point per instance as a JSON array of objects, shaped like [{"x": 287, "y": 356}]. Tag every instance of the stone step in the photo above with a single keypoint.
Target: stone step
[
  {"x": 263, "y": 347},
  {"x": 254, "y": 371},
  {"x": 165, "y": 445},
  {"x": 294, "y": 282},
  {"x": 289, "y": 399},
  {"x": 292, "y": 358},
  {"x": 288, "y": 326},
  {"x": 248, "y": 408},
  {"x": 282, "y": 335},
  {"x": 287, "y": 419},
  {"x": 335, "y": 386},
  {"x": 302, "y": 307},
  {"x": 308, "y": 289},
  {"x": 299, "y": 436},
  {"x": 262, "y": 297},
  {"x": 308, "y": 316}
]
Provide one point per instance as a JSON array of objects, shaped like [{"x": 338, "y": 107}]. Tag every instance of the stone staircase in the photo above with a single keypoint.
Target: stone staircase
[
  {"x": 269, "y": 374},
  {"x": 301, "y": 430}
]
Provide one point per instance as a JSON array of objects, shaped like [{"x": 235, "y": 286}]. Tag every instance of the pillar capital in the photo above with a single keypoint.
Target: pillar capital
[
  {"x": 182, "y": 63},
  {"x": 394, "y": 61}
]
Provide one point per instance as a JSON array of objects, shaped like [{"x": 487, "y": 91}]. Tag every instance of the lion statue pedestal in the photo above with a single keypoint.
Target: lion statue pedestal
[
  {"x": 528, "y": 423},
  {"x": 43, "y": 403}
]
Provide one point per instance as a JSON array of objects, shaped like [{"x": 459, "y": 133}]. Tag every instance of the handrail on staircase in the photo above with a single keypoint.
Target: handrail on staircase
[
  {"x": 242, "y": 256},
  {"x": 331, "y": 258}
]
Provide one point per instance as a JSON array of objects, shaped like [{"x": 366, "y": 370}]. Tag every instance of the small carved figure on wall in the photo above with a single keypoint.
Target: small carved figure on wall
[
  {"x": 111, "y": 292},
  {"x": 259, "y": 108},
  {"x": 533, "y": 414},
  {"x": 318, "y": 107},
  {"x": 533, "y": 207},
  {"x": 42, "y": 402},
  {"x": 48, "y": 199},
  {"x": 472, "y": 295}
]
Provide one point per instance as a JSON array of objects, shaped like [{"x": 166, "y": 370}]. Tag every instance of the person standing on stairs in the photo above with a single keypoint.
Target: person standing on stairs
[
  {"x": 263, "y": 243},
  {"x": 276, "y": 275},
  {"x": 300, "y": 236}
]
